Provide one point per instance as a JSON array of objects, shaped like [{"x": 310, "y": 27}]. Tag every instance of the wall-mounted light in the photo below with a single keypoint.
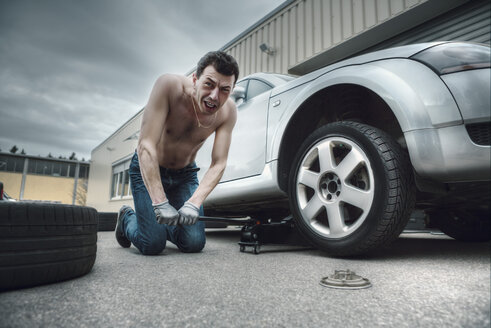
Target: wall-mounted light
[
  {"x": 134, "y": 136},
  {"x": 267, "y": 49}
]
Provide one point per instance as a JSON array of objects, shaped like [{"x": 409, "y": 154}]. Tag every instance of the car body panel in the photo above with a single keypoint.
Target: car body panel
[
  {"x": 263, "y": 187},
  {"x": 402, "y": 83},
  {"x": 448, "y": 155},
  {"x": 396, "y": 52},
  {"x": 471, "y": 85},
  {"x": 245, "y": 158},
  {"x": 431, "y": 111}
]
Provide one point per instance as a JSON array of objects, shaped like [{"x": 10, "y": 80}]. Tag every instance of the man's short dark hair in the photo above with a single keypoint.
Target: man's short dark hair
[{"x": 221, "y": 61}]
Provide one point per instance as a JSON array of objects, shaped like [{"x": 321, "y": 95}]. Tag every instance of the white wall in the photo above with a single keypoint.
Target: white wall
[{"x": 103, "y": 157}]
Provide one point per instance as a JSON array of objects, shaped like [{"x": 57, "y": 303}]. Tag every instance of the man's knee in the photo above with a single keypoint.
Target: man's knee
[
  {"x": 152, "y": 247},
  {"x": 194, "y": 241},
  {"x": 193, "y": 246}
]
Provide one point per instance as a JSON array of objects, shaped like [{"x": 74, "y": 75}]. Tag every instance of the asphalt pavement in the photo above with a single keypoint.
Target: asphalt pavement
[{"x": 422, "y": 280}]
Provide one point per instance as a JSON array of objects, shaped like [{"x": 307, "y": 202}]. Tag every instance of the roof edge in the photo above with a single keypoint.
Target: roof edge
[{"x": 118, "y": 130}]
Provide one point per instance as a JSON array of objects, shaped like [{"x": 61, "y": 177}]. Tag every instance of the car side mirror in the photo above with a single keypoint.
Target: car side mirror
[{"x": 238, "y": 95}]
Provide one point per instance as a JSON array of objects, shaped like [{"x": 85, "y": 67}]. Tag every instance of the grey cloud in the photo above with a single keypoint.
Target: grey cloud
[{"x": 72, "y": 72}]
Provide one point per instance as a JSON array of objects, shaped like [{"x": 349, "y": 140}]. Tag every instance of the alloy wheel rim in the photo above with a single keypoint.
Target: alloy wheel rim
[{"x": 335, "y": 187}]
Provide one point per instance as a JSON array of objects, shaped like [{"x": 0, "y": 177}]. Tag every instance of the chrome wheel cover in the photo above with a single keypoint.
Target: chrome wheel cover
[{"x": 335, "y": 187}]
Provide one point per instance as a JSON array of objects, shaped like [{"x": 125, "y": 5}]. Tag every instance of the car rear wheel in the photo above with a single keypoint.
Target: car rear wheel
[{"x": 351, "y": 188}]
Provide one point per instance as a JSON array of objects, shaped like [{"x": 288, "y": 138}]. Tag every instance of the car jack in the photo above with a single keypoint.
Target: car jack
[{"x": 256, "y": 233}]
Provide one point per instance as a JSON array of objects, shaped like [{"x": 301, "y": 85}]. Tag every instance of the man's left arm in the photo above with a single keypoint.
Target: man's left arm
[{"x": 223, "y": 137}]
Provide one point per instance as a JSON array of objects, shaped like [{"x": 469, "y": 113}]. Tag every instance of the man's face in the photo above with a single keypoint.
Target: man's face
[{"x": 212, "y": 89}]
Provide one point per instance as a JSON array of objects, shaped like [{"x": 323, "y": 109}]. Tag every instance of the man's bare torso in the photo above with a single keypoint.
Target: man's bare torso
[{"x": 181, "y": 136}]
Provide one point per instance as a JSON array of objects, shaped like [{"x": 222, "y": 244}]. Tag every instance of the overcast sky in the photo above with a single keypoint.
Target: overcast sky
[{"x": 72, "y": 71}]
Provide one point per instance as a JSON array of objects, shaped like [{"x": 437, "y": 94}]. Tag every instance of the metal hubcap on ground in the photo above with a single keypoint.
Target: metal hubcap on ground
[
  {"x": 335, "y": 187},
  {"x": 345, "y": 279}
]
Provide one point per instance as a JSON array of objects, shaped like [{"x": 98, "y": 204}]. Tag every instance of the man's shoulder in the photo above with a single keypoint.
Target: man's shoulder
[
  {"x": 172, "y": 80},
  {"x": 229, "y": 111},
  {"x": 172, "y": 84},
  {"x": 230, "y": 105}
]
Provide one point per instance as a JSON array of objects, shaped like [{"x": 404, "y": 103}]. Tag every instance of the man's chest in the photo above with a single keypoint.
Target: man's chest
[{"x": 184, "y": 128}]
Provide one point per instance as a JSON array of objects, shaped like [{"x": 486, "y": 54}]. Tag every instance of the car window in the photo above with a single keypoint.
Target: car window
[
  {"x": 255, "y": 88},
  {"x": 242, "y": 83}
]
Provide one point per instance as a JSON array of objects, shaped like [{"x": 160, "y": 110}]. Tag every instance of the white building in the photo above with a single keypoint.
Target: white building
[{"x": 296, "y": 38}]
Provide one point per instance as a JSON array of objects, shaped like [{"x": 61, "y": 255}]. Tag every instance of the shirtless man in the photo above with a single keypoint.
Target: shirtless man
[{"x": 180, "y": 115}]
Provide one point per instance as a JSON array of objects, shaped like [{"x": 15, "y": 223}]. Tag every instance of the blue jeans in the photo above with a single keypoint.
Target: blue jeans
[{"x": 141, "y": 227}]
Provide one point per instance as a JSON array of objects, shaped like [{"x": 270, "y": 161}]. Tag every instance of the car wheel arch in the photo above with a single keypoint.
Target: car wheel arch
[{"x": 317, "y": 111}]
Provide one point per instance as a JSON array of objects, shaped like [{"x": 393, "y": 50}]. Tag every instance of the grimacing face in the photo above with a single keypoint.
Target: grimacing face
[{"x": 212, "y": 90}]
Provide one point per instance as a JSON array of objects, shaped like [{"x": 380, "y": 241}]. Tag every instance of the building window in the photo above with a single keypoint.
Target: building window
[
  {"x": 120, "y": 186},
  {"x": 11, "y": 164},
  {"x": 56, "y": 169},
  {"x": 83, "y": 172}
]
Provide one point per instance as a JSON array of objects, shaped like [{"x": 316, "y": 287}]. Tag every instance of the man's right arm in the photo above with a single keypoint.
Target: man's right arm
[
  {"x": 154, "y": 117},
  {"x": 153, "y": 122}
]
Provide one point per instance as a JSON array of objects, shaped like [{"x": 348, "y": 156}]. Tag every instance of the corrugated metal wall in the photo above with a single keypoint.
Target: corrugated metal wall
[
  {"x": 471, "y": 22},
  {"x": 306, "y": 28}
]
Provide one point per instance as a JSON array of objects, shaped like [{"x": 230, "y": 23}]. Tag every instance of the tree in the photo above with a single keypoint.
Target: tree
[
  {"x": 14, "y": 149},
  {"x": 81, "y": 196},
  {"x": 23, "y": 152}
]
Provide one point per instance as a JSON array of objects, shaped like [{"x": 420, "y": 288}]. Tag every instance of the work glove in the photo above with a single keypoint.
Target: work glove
[
  {"x": 166, "y": 213},
  {"x": 188, "y": 214}
]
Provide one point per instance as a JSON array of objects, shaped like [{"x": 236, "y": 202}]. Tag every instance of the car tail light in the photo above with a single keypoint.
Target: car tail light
[{"x": 455, "y": 57}]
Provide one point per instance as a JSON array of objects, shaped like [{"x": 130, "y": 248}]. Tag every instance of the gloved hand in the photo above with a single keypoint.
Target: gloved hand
[
  {"x": 188, "y": 214},
  {"x": 166, "y": 213}
]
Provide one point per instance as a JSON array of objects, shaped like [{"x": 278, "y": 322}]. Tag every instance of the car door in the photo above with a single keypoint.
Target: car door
[{"x": 248, "y": 147}]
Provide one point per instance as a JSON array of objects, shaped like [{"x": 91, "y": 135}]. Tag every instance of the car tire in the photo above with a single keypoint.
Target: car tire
[
  {"x": 107, "y": 221},
  {"x": 351, "y": 188},
  {"x": 44, "y": 243},
  {"x": 470, "y": 225}
]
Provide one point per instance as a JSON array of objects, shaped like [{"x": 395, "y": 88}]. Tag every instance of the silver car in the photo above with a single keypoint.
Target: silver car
[{"x": 350, "y": 150}]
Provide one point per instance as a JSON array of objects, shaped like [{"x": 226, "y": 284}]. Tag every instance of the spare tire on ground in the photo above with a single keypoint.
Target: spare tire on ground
[
  {"x": 107, "y": 221},
  {"x": 43, "y": 243}
]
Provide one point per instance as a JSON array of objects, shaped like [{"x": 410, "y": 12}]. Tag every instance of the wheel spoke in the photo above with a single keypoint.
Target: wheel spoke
[
  {"x": 357, "y": 197},
  {"x": 308, "y": 178},
  {"x": 312, "y": 208},
  {"x": 335, "y": 218},
  {"x": 349, "y": 164},
  {"x": 325, "y": 157}
]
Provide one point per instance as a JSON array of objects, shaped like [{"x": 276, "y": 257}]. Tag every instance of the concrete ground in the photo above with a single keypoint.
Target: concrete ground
[{"x": 422, "y": 280}]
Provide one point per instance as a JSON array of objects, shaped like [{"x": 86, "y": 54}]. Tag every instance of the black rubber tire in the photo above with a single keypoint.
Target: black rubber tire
[
  {"x": 107, "y": 221},
  {"x": 469, "y": 225},
  {"x": 394, "y": 189},
  {"x": 45, "y": 243}
]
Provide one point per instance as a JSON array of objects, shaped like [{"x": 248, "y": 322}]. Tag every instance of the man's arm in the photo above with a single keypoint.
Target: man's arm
[
  {"x": 154, "y": 117},
  {"x": 223, "y": 137}
]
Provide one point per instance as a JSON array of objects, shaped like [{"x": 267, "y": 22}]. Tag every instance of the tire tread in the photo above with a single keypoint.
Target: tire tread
[
  {"x": 45, "y": 243},
  {"x": 400, "y": 183}
]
